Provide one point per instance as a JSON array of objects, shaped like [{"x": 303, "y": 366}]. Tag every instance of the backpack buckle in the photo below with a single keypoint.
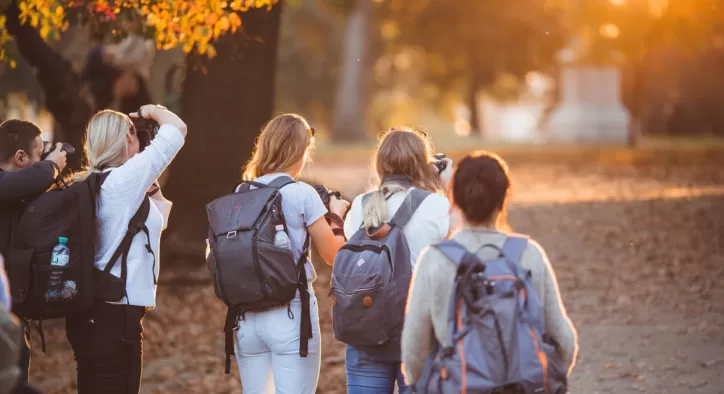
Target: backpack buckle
[{"x": 231, "y": 234}]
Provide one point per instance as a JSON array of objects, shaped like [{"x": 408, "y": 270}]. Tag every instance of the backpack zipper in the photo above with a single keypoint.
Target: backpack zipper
[
  {"x": 383, "y": 248},
  {"x": 337, "y": 290},
  {"x": 254, "y": 253}
]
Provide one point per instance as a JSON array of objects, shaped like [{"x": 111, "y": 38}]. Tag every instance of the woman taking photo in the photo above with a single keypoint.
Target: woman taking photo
[
  {"x": 107, "y": 338},
  {"x": 480, "y": 189},
  {"x": 268, "y": 341},
  {"x": 403, "y": 162}
]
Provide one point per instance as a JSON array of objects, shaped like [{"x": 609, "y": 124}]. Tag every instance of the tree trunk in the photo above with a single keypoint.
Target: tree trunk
[
  {"x": 226, "y": 101},
  {"x": 349, "y": 120},
  {"x": 60, "y": 83},
  {"x": 471, "y": 99}
]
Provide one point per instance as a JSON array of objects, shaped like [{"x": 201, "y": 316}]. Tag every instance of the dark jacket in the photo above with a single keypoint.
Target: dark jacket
[{"x": 17, "y": 188}]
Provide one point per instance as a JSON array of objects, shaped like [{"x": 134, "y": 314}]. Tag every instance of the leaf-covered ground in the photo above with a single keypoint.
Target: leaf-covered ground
[{"x": 639, "y": 254}]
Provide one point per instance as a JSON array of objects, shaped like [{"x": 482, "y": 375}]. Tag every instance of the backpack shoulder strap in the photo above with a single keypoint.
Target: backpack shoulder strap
[
  {"x": 513, "y": 247},
  {"x": 281, "y": 181},
  {"x": 452, "y": 249},
  {"x": 135, "y": 225},
  {"x": 408, "y": 207}
]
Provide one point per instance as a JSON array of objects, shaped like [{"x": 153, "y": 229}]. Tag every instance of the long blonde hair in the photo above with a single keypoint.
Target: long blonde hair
[
  {"x": 283, "y": 142},
  {"x": 105, "y": 144},
  {"x": 401, "y": 151}
]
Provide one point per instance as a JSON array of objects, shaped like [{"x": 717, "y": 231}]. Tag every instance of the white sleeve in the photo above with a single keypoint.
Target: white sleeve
[
  {"x": 354, "y": 218},
  {"x": 437, "y": 207},
  {"x": 131, "y": 180}
]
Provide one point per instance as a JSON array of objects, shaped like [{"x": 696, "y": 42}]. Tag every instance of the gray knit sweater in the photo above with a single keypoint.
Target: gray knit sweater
[{"x": 427, "y": 306}]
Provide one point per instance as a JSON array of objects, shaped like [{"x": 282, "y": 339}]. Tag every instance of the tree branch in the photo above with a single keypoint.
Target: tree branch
[{"x": 62, "y": 86}]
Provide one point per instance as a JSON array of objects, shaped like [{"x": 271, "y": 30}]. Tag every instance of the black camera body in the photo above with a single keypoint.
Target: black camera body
[
  {"x": 440, "y": 162},
  {"x": 146, "y": 130},
  {"x": 49, "y": 147},
  {"x": 326, "y": 194}
]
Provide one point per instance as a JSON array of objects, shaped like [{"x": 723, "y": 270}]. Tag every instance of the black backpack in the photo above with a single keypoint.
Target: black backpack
[
  {"x": 248, "y": 271},
  {"x": 70, "y": 212}
]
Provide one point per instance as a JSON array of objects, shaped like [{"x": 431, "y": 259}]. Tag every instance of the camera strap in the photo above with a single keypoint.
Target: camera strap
[{"x": 333, "y": 217}]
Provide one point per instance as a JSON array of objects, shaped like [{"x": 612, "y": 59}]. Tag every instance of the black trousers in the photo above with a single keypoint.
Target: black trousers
[{"x": 107, "y": 340}]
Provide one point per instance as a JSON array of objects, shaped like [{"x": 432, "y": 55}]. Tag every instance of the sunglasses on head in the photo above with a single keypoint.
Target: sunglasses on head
[{"x": 419, "y": 132}]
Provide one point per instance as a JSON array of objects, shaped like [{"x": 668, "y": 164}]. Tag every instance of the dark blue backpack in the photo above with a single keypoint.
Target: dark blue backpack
[{"x": 496, "y": 328}]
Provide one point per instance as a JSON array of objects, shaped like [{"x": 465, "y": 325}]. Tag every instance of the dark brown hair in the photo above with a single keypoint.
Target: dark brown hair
[
  {"x": 17, "y": 135},
  {"x": 480, "y": 186}
]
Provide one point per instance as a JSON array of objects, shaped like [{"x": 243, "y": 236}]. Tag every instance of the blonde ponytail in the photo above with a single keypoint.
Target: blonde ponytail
[
  {"x": 105, "y": 142},
  {"x": 375, "y": 208}
]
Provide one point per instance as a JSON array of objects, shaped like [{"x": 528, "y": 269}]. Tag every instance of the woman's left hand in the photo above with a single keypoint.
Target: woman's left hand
[{"x": 446, "y": 174}]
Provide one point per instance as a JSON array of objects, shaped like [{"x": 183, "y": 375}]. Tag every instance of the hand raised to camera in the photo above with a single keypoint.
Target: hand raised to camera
[
  {"x": 446, "y": 174},
  {"x": 338, "y": 206},
  {"x": 161, "y": 115},
  {"x": 58, "y": 156}
]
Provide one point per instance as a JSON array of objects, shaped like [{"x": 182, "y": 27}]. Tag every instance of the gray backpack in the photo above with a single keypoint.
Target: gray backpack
[
  {"x": 496, "y": 326},
  {"x": 249, "y": 272},
  {"x": 370, "y": 281}
]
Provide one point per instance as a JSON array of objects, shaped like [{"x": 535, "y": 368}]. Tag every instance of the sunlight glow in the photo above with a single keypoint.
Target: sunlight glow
[
  {"x": 462, "y": 127},
  {"x": 609, "y": 30},
  {"x": 617, "y": 2},
  {"x": 658, "y": 7}
]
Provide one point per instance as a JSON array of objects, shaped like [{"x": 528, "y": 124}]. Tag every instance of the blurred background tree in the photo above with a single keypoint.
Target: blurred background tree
[
  {"x": 240, "y": 64},
  {"x": 466, "y": 47},
  {"x": 354, "y": 67}
]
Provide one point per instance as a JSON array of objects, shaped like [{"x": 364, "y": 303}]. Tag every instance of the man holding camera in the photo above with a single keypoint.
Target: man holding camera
[{"x": 27, "y": 169}]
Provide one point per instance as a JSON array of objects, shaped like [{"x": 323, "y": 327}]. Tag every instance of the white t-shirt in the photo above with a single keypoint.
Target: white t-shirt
[
  {"x": 429, "y": 224},
  {"x": 301, "y": 206}
]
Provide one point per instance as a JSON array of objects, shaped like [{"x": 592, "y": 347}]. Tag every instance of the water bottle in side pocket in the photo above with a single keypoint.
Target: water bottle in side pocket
[{"x": 281, "y": 239}]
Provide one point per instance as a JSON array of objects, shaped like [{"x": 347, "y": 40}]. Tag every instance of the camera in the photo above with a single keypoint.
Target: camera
[
  {"x": 146, "y": 130},
  {"x": 49, "y": 147},
  {"x": 326, "y": 194},
  {"x": 440, "y": 162}
]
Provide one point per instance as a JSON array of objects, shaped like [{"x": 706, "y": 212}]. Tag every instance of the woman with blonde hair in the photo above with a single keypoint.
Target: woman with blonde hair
[
  {"x": 269, "y": 341},
  {"x": 107, "y": 338},
  {"x": 402, "y": 162}
]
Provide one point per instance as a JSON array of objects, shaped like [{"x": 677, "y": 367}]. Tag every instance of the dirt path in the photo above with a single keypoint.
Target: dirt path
[{"x": 638, "y": 251}]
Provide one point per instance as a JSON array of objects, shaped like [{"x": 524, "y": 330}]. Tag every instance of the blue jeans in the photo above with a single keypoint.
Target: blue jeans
[{"x": 372, "y": 377}]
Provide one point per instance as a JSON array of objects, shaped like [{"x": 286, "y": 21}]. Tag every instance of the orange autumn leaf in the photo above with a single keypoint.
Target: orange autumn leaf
[{"x": 190, "y": 24}]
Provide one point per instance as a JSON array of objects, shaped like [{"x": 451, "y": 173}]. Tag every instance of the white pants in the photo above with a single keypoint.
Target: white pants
[{"x": 267, "y": 351}]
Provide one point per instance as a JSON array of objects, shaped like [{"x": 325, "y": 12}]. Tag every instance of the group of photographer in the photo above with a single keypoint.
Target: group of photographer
[{"x": 258, "y": 232}]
